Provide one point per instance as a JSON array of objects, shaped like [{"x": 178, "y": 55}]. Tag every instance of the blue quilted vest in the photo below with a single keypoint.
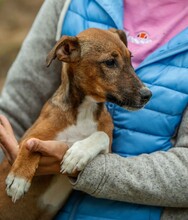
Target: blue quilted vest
[{"x": 165, "y": 72}]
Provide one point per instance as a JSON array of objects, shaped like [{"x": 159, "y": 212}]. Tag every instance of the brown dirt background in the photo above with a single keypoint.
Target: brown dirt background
[{"x": 16, "y": 18}]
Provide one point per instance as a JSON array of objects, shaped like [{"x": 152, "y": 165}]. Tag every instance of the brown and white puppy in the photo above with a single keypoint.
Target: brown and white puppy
[{"x": 96, "y": 68}]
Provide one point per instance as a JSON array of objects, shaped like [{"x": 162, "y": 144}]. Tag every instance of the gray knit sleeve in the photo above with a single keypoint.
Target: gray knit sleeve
[
  {"x": 158, "y": 179},
  {"x": 30, "y": 83}
]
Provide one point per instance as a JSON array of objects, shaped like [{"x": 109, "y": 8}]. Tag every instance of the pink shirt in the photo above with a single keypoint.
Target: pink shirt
[{"x": 151, "y": 23}]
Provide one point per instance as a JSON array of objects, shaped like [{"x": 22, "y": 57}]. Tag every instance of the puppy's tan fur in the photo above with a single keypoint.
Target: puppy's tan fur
[{"x": 97, "y": 68}]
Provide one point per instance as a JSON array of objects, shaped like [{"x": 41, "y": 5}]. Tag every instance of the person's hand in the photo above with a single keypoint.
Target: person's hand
[
  {"x": 52, "y": 154},
  {"x": 52, "y": 151},
  {"x": 8, "y": 142}
]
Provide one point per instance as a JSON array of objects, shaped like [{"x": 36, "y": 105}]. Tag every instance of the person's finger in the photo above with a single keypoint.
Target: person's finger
[
  {"x": 10, "y": 156},
  {"x": 55, "y": 149},
  {"x": 49, "y": 165},
  {"x": 6, "y": 124},
  {"x": 44, "y": 170},
  {"x": 7, "y": 139},
  {"x": 8, "y": 142},
  {"x": 47, "y": 161},
  {"x": 5, "y": 151}
]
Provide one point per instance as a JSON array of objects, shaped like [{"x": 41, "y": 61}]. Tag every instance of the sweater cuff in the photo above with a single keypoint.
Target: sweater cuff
[{"x": 92, "y": 177}]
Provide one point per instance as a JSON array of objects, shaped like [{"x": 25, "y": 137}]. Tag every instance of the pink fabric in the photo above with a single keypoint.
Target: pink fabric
[{"x": 151, "y": 23}]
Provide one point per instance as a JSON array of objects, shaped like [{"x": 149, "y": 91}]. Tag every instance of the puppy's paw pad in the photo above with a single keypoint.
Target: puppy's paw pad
[{"x": 16, "y": 186}]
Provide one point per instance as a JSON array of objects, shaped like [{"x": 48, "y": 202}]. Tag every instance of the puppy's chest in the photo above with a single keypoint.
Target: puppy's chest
[{"x": 84, "y": 127}]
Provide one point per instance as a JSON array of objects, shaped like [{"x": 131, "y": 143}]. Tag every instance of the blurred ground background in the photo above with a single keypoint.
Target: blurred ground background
[{"x": 16, "y": 18}]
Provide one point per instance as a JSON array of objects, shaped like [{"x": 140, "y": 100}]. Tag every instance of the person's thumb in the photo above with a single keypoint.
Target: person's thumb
[{"x": 36, "y": 145}]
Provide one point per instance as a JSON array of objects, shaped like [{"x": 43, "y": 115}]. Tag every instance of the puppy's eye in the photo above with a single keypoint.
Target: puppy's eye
[{"x": 110, "y": 63}]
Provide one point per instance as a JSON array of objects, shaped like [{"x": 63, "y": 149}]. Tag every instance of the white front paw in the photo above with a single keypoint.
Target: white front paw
[
  {"x": 16, "y": 186},
  {"x": 76, "y": 158}
]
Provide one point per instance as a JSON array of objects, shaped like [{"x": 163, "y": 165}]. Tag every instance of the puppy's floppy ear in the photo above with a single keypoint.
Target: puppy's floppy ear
[
  {"x": 67, "y": 49},
  {"x": 121, "y": 35}
]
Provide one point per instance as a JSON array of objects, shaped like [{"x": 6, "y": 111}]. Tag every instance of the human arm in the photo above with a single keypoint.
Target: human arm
[{"x": 158, "y": 179}]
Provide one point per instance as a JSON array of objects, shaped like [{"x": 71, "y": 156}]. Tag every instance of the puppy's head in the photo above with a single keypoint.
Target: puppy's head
[{"x": 100, "y": 64}]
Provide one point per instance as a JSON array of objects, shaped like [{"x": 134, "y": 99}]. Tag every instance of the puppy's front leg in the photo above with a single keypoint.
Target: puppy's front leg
[
  {"x": 19, "y": 179},
  {"x": 45, "y": 128},
  {"x": 82, "y": 152}
]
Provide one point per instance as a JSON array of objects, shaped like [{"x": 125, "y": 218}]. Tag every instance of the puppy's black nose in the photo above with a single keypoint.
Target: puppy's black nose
[{"x": 145, "y": 93}]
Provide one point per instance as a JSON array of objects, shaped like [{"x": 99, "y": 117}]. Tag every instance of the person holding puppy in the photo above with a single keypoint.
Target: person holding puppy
[{"x": 146, "y": 175}]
